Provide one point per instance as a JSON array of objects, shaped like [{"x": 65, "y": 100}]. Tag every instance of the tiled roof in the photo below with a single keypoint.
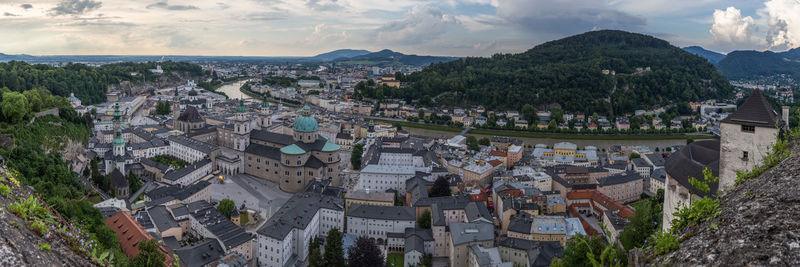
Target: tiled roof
[
  {"x": 755, "y": 111},
  {"x": 690, "y": 162}
]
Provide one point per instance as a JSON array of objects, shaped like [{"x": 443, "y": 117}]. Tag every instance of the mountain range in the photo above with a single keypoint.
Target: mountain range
[
  {"x": 749, "y": 64},
  {"x": 382, "y": 57}
]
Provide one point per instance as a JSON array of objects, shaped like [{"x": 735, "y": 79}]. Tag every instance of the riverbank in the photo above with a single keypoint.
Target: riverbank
[
  {"x": 215, "y": 88},
  {"x": 568, "y": 136},
  {"x": 259, "y": 96}
]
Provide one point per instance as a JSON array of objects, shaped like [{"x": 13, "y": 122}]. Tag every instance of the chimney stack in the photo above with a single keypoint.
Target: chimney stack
[{"x": 785, "y": 115}]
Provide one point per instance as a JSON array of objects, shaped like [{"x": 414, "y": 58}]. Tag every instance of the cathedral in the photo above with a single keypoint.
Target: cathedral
[{"x": 292, "y": 161}]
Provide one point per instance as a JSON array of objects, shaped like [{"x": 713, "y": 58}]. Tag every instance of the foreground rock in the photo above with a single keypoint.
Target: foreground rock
[
  {"x": 759, "y": 224},
  {"x": 19, "y": 246}
]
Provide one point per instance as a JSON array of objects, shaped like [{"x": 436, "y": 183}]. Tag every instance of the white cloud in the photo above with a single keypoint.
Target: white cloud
[
  {"x": 731, "y": 28},
  {"x": 420, "y": 24},
  {"x": 784, "y": 23}
]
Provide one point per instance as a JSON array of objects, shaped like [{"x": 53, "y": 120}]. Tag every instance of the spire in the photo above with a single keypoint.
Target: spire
[{"x": 117, "y": 113}]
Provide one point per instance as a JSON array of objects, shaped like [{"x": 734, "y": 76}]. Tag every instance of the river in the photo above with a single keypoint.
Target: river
[
  {"x": 600, "y": 144},
  {"x": 232, "y": 90}
]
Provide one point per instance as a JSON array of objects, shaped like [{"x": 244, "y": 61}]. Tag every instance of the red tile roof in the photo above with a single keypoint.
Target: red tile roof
[{"x": 130, "y": 233}]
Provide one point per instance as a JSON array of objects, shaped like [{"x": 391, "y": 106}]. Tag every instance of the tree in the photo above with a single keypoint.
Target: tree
[
  {"x": 365, "y": 254},
  {"x": 134, "y": 183},
  {"x": 557, "y": 114},
  {"x": 645, "y": 221},
  {"x": 226, "y": 206},
  {"x": 424, "y": 220},
  {"x": 163, "y": 108},
  {"x": 14, "y": 106},
  {"x": 635, "y": 155},
  {"x": 590, "y": 251},
  {"x": 334, "y": 254},
  {"x": 315, "y": 256},
  {"x": 426, "y": 261},
  {"x": 529, "y": 114},
  {"x": 472, "y": 143},
  {"x": 440, "y": 188},
  {"x": 485, "y": 141},
  {"x": 355, "y": 156},
  {"x": 149, "y": 254}
]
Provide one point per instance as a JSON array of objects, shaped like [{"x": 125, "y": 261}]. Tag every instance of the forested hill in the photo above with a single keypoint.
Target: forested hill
[
  {"x": 752, "y": 64},
  {"x": 569, "y": 72},
  {"x": 88, "y": 83}
]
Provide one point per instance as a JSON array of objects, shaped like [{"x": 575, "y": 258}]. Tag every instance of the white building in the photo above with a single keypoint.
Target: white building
[
  {"x": 383, "y": 177},
  {"x": 376, "y": 222},
  {"x": 746, "y": 136},
  {"x": 283, "y": 239},
  {"x": 190, "y": 150},
  {"x": 189, "y": 174}
]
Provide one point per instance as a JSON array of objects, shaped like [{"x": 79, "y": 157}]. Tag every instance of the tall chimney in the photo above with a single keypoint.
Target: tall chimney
[{"x": 785, "y": 115}]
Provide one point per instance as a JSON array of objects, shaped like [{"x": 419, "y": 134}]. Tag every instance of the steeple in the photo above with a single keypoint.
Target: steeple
[
  {"x": 119, "y": 142},
  {"x": 117, "y": 113}
]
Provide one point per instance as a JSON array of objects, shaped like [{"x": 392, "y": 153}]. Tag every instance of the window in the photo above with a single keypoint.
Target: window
[
  {"x": 744, "y": 155},
  {"x": 748, "y": 128}
]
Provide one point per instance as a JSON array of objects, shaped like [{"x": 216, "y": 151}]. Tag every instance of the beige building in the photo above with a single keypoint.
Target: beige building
[
  {"x": 463, "y": 235},
  {"x": 746, "y": 136},
  {"x": 367, "y": 197},
  {"x": 292, "y": 161}
]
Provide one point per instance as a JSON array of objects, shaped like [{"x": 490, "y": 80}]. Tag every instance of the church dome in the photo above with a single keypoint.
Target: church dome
[{"x": 305, "y": 122}]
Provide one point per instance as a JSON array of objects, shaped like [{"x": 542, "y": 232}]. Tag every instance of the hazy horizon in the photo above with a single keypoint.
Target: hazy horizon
[{"x": 301, "y": 28}]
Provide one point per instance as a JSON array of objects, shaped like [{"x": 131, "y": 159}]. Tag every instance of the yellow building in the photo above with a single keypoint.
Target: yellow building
[{"x": 367, "y": 197}]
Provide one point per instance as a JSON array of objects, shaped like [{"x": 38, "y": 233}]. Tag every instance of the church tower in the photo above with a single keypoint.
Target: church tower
[
  {"x": 242, "y": 127},
  {"x": 264, "y": 120},
  {"x": 176, "y": 109}
]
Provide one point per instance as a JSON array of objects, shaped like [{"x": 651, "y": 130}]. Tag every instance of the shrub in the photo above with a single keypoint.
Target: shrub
[
  {"x": 39, "y": 227},
  {"x": 5, "y": 190},
  {"x": 701, "y": 210},
  {"x": 664, "y": 243},
  {"x": 44, "y": 246},
  {"x": 28, "y": 208}
]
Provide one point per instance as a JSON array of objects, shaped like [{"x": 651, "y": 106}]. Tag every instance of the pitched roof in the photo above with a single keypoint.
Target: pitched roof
[
  {"x": 690, "y": 162},
  {"x": 755, "y": 111},
  {"x": 382, "y": 212},
  {"x": 462, "y": 233},
  {"x": 118, "y": 179},
  {"x": 190, "y": 115}
]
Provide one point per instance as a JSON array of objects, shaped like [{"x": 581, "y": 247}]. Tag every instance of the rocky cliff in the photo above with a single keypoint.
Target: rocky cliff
[
  {"x": 20, "y": 247},
  {"x": 759, "y": 224}
]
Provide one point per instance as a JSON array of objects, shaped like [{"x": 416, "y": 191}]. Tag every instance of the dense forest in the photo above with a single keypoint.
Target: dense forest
[
  {"x": 752, "y": 64},
  {"x": 88, "y": 83},
  {"x": 569, "y": 72}
]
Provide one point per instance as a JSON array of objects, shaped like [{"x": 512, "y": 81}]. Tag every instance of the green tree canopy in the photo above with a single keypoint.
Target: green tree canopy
[
  {"x": 149, "y": 254},
  {"x": 226, "y": 206},
  {"x": 365, "y": 254},
  {"x": 15, "y": 106},
  {"x": 424, "y": 220},
  {"x": 440, "y": 188},
  {"x": 334, "y": 252}
]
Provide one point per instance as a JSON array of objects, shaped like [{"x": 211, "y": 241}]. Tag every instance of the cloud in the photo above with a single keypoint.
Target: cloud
[
  {"x": 223, "y": 5},
  {"x": 324, "y": 33},
  {"x": 784, "y": 23},
  {"x": 165, "y": 5},
  {"x": 567, "y": 16},
  {"x": 266, "y": 16},
  {"x": 10, "y": 15},
  {"x": 731, "y": 28},
  {"x": 323, "y": 5},
  {"x": 26, "y": 6},
  {"x": 420, "y": 24},
  {"x": 74, "y": 7}
]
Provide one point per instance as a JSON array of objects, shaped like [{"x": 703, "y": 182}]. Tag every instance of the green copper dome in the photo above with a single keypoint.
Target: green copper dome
[
  {"x": 292, "y": 150},
  {"x": 330, "y": 147},
  {"x": 305, "y": 122},
  {"x": 241, "y": 108}
]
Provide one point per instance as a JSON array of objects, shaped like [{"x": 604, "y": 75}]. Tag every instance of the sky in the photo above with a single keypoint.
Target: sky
[{"x": 425, "y": 27}]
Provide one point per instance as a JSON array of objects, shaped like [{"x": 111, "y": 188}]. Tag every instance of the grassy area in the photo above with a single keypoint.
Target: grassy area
[
  {"x": 588, "y": 136},
  {"x": 549, "y": 135},
  {"x": 394, "y": 260},
  {"x": 434, "y": 127}
]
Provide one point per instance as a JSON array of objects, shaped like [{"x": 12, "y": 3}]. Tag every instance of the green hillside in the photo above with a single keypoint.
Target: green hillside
[{"x": 569, "y": 72}]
